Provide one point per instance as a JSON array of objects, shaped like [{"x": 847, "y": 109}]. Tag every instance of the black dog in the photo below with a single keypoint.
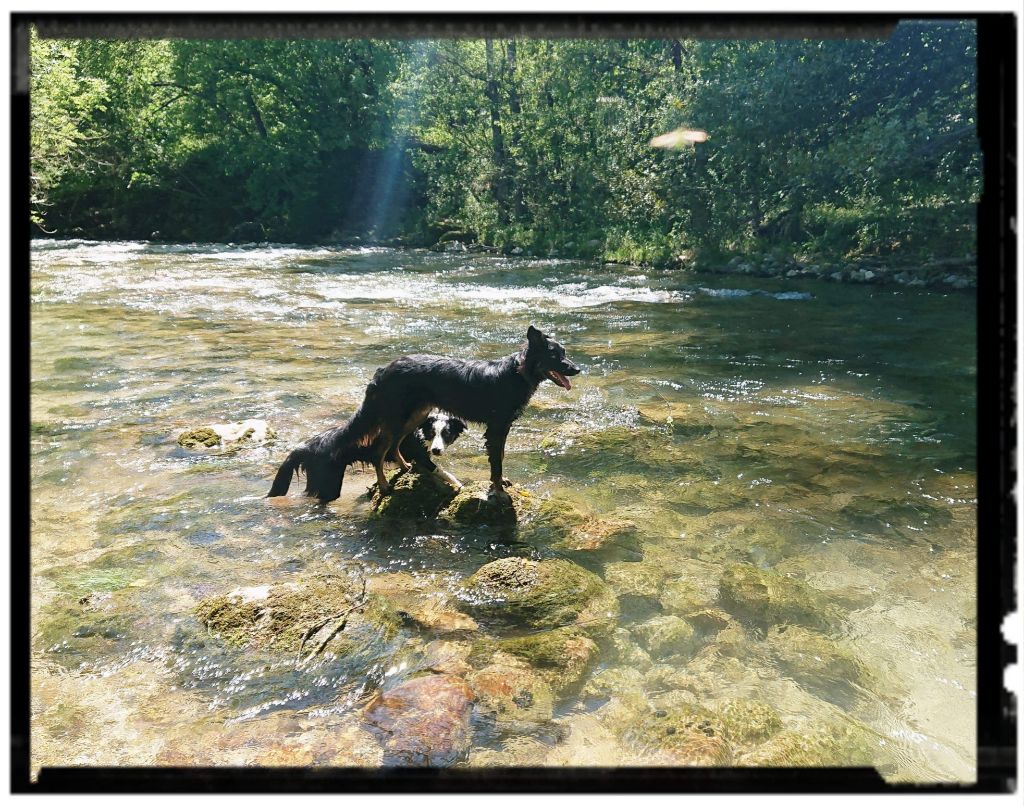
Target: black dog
[
  {"x": 402, "y": 393},
  {"x": 326, "y": 456}
]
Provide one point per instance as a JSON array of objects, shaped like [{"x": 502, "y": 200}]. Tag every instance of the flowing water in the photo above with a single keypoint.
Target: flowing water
[{"x": 821, "y": 434}]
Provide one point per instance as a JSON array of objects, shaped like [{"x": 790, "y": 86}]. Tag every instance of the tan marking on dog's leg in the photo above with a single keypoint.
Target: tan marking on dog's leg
[
  {"x": 401, "y": 460},
  {"x": 378, "y": 465},
  {"x": 458, "y": 485}
]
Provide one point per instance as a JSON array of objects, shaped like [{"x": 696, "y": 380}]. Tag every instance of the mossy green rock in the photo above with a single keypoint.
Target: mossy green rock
[
  {"x": 747, "y": 721},
  {"x": 413, "y": 495},
  {"x": 688, "y": 733},
  {"x": 199, "y": 438},
  {"x": 613, "y": 681},
  {"x": 572, "y": 529},
  {"x": 627, "y": 651},
  {"x": 684, "y": 597},
  {"x": 816, "y": 660},
  {"x": 475, "y": 505},
  {"x": 634, "y": 579},
  {"x": 233, "y": 436},
  {"x": 665, "y": 636},
  {"x": 836, "y": 744},
  {"x": 561, "y": 657},
  {"x": 279, "y": 616},
  {"x": 764, "y": 598},
  {"x": 545, "y": 594}
]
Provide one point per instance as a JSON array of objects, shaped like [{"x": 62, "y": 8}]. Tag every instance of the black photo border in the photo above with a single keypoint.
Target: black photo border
[{"x": 996, "y": 435}]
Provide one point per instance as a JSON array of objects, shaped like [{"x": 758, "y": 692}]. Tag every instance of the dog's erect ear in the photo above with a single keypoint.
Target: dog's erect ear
[{"x": 534, "y": 336}]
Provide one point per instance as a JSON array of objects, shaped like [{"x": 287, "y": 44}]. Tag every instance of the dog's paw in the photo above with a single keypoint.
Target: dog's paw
[
  {"x": 499, "y": 494},
  {"x": 506, "y": 482}
]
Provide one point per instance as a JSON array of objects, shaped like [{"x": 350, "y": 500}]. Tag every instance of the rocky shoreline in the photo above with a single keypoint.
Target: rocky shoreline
[{"x": 947, "y": 273}]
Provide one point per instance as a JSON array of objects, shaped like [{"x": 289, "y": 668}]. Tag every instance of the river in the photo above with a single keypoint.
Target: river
[{"x": 817, "y": 435}]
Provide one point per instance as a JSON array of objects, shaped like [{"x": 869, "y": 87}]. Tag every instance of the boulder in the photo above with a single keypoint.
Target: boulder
[
  {"x": 287, "y": 616},
  {"x": 512, "y": 693},
  {"x": 228, "y": 435},
  {"x": 447, "y": 657},
  {"x": 764, "y": 598},
  {"x": 413, "y": 495},
  {"x": 823, "y": 665},
  {"x": 833, "y": 744},
  {"x": 573, "y": 529},
  {"x": 423, "y": 599},
  {"x": 560, "y": 656},
  {"x": 687, "y": 733},
  {"x": 476, "y": 505},
  {"x": 668, "y": 636},
  {"x": 627, "y": 651},
  {"x": 423, "y": 722},
  {"x": 612, "y": 682},
  {"x": 542, "y": 594},
  {"x": 748, "y": 722}
]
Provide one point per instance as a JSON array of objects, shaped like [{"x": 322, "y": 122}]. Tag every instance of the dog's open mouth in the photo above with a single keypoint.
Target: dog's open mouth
[{"x": 559, "y": 378}]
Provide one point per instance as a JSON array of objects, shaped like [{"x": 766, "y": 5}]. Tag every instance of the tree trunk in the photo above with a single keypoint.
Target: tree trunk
[
  {"x": 255, "y": 112},
  {"x": 515, "y": 107},
  {"x": 497, "y": 138}
]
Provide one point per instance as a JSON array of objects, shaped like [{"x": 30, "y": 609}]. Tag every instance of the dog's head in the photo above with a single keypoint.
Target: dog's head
[
  {"x": 439, "y": 431},
  {"x": 545, "y": 360}
]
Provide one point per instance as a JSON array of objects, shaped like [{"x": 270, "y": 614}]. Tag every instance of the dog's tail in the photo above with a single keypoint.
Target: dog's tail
[
  {"x": 282, "y": 481},
  {"x": 325, "y": 457}
]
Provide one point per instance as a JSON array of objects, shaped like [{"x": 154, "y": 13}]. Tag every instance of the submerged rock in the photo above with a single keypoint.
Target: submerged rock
[
  {"x": 578, "y": 530},
  {"x": 668, "y": 636},
  {"x": 613, "y": 681},
  {"x": 836, "y": 744},
  {"x": 424, "y": 721},
  {"x": 635, "y": 579},
  {"x": 765, "y": 598},
  {"x": 627, "y": 651},
  {"x": 413, "y": 495},
  {"x": 285, "y": 616},
  {"x": 447, "y": 657},
  {"x": 561, "y": 656},
  {"x": 542, "y": 594},
  {"x": 512, "y": 693},
  {"x": 747, "y": 722},
  {"x": 816, "y": 661},
  {"x": 688, "y": 733},
  {"x": 475, "y": 504},
  {"x": 424, "y": 599}
]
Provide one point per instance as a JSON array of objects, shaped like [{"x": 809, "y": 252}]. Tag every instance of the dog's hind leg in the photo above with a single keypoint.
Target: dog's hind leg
[
  {"x": 411, "y": 424},
  {"x": 331, "y": 489},
  {"x": 494, "y": 438},
  {"x": 381, "y": 448}
]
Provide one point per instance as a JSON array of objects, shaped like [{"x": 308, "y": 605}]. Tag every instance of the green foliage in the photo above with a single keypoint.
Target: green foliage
[
  {"x": 63, "y": 102},
  {"x": 833, "y": 148}
]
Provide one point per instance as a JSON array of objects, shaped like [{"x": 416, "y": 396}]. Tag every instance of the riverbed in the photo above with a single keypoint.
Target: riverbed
[{"x": 803, "y": 441}]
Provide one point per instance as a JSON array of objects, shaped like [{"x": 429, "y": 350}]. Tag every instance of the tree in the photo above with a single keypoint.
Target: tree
[{"x": 62, "y": 127}]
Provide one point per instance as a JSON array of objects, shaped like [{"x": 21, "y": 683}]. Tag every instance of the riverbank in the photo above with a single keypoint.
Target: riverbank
[{"x": 950, "y": 273}]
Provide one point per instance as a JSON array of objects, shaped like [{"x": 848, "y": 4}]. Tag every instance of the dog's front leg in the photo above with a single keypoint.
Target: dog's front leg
[
  {"x": 494, "y": 439},
  {"x": 458, "y": 485}
]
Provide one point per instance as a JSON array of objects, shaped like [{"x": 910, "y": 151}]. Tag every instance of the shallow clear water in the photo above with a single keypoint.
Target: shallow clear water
[{"x": 824, "y": 433}]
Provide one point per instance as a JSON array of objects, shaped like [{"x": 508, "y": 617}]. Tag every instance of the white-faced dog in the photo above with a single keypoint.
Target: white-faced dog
[{"x": 325, "y": 457}]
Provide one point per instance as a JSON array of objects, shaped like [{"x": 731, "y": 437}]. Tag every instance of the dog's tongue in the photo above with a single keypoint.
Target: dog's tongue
[{"x": 560, "y": 379}]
